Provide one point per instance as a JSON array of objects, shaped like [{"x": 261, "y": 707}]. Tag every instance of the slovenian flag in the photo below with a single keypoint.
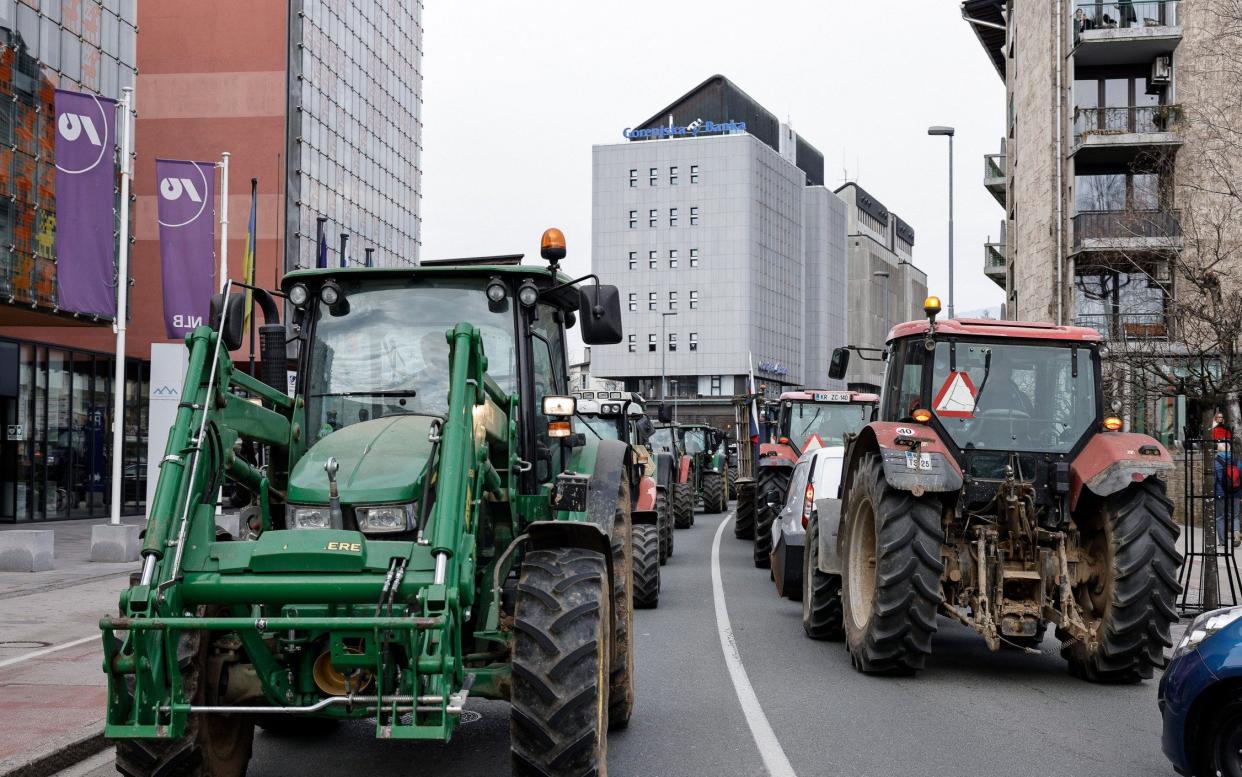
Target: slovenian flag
[{"x": 248, "y": 255}]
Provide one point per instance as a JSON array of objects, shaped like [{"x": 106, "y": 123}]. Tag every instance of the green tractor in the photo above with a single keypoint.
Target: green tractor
[
  {"x": 427, "y": 527},
  {"x": 699, "y": 459}
]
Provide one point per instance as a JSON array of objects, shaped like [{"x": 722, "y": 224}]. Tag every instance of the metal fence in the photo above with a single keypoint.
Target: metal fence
[
  {"x": 1128, "y": 13},
  {"x": 1125, "y": 224},
  {"x": 1210, "y": 534},
  {"x": 1125, "y": 119}
]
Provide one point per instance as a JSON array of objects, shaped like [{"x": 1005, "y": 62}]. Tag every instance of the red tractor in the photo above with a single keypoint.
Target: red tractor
[
  {"x": 804, "y": 420},
  {"x": 995, "y": 491}
]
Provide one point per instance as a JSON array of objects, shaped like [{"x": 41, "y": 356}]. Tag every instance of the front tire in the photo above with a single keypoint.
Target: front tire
[
  {"x": 683, "y": 506},
  {"x": 646, "y": 567},
  {"x": 713, "y": 493},
  {"x": 892, "y": 568},
  {"x": 1132, "y": 539},
  {"x": 744, "y": 519},
  {"x": 664, "y": 519},
  {"x": 558, "y": 719},
  {"x": 1220, "y": 743},
  {"x": 769, "y": 496},
  {"x": 821, "y": 593},
  {"x": 621, "y": 690}
]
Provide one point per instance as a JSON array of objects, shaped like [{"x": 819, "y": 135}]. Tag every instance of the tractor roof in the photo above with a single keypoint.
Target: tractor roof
[
  {"x": 993, "y": 328},
  {"x": 808, "y": 395},
  {"x": 461, "y": 267}
]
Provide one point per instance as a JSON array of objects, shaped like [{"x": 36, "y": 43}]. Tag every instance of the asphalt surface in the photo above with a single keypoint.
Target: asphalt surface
[{"x": 970, "y": 712}]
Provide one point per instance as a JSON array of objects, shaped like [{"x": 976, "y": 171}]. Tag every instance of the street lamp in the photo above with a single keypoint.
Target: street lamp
[
  {"x": 663, "y": 354},
  {"x": 887, "y": 319},
  {"x": 948, "y": 131},
  {"x": 674, "y": 382}
]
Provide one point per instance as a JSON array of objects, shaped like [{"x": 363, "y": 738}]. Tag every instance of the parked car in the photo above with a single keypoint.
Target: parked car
[
  {"x": 1201, "y": 697},
  {"x": 816, "y": 474}
]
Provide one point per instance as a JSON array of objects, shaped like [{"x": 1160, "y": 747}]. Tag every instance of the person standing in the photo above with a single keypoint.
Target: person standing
[
  {"x": 1219, "y": 430},
  {"x": 1228, "y": 495}
]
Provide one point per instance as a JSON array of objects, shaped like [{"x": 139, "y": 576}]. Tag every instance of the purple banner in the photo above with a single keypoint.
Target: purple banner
[
  {"x": 187, "y": 216},
  {"x": 85, "y": 180}
]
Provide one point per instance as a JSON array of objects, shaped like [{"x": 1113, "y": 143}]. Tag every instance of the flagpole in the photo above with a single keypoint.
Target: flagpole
[
  {"x": 224, "y": 220},
  {"x": 254, "y": 265},
  {"x": 122, "y": 303}
]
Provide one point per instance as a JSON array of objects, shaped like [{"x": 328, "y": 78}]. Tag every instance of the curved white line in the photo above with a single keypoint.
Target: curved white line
[
  {"x": 52, "y": 649},
  {"x": 770, "y": 750},
  {"x": 103, "y": 120},
  {"x": 201, "y": 207}
]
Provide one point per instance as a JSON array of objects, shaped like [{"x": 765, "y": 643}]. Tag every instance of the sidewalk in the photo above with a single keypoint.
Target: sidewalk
[{"x": 52, "y": 689}]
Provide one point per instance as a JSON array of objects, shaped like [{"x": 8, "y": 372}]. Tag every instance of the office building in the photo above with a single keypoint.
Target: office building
[{"x": 713, "y": 220}]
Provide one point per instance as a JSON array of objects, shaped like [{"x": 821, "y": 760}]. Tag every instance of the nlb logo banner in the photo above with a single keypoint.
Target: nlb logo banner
[
  {"x": 186, "y": 210},
  {"x": 86, "y": 164}
]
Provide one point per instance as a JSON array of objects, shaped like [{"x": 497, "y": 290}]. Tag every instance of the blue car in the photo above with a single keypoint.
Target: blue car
[{"x": 1201, "y": 697}]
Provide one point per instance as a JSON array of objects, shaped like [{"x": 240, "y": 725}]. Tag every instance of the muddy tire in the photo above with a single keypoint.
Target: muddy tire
[
  {"x": 683, "y": 506},
  {"x": 558, "y": 721},
  {"x": 646, "y": 567},
  {"x": 770, "y": 489},
  {"x": 744, "y": 518},
  {"x": 891, "y": 583},
  {"x": 714, "y": 496},
  {"x": 821, "y": 593},
  {"x": 213, "y": 745},
  {"x": 731, "y": 477},
  {"x": 664, "y": 520},
  {"x": 1132, "y": 539},
  {"x": 621, "y": 677}
]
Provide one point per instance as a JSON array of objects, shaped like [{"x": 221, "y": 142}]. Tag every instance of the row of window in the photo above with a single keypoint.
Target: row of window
[
  {"x": 653, "y": 176},
  {"x": 653, "y": 259},
  {"x": 672, "y": 342},
  {"x": 653, "y": 217},
  {"x": 652, "y": 304}
]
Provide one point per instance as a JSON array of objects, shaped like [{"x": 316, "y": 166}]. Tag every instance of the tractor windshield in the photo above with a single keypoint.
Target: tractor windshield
[
  {"x": 662, "y": 439},
  {"x": 605, "y": 427},
  {"x": 829, "y": 421},
  {"x": 1007, "y": 396},
  {"x": 388, "y": 354},
  {"x": 694, "y": 440}
]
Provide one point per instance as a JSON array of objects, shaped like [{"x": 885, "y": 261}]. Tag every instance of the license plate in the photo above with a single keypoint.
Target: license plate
[{"x": 831, "y": 396}]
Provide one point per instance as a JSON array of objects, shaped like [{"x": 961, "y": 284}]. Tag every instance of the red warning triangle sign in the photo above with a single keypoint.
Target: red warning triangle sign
[
  {"x": 956, "y": 398},
  {"x": 814, "y": 442}
]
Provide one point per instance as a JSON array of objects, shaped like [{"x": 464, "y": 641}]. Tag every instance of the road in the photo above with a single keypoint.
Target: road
[{"x": 971, "y": 712}]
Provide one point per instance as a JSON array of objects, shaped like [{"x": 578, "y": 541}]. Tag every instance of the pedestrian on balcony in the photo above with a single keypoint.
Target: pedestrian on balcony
[
  {"x": 1228, "y": 494},
  {"x": 1082, "y": 22}
]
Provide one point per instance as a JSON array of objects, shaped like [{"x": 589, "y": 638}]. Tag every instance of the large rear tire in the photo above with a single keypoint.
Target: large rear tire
[
  {"x": 744, "y": 518},
  {"x": 714, "y": 497},
  {"x": 213, "y": 745},
  {"x": 1130, "y": 540},
  {"x": 683, "y": 506},
  {"x": 769, "y": 496},
  {"x": 821, "y": 593},
  {"x": 621, "y": 680},
  {"x": 558, "y": 720},
  {"x": 891, "y": 582},
  {"x": 664, "y": 520},
  {"x": 646, "y": 567}
]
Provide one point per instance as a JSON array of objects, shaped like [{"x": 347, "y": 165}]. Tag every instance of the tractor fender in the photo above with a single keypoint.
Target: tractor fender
[
  {"x": 664, "y": 469},
  {"x": 683, "y": 469},
  {"x": 922, "y": 462},
  {"x": 774, "y": 450},
  {"x": 1111, "y": 461},
  {"x": 828, "y": 514},
  {"x": 592, "y": 528},
  {"x": 644, "y": 511}
]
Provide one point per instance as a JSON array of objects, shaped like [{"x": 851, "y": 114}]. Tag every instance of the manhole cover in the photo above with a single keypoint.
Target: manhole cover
[
  {"x": 470, "y": 716},
  {"x": 24, "y": 644}
]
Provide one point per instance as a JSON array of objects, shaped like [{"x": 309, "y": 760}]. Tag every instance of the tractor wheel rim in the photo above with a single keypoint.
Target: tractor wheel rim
[{"x": 862, "y": 564}]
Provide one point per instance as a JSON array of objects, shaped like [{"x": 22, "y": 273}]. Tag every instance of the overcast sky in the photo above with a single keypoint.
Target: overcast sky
[{"x": 515, "y": 95}]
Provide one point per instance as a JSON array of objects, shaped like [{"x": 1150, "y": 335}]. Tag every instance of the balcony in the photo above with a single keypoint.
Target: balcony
[
  {"x": 1115, "y": 33},
  {"x": 995, "y": 262},
  {"x": 1127, "y": 327},
  {"x": 1122, "y": 231},
  {"x": 994, "y": 176},
  {"x": 1118, "y": 135}
]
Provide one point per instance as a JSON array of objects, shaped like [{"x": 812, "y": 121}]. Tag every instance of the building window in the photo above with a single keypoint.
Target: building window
[
  {"x": 715, "y": 385},
  {"x": 694, "y": 215},
  {"x": 1119, "y": 304},
  {"x": 652, "y": 217},
  {"x": 672, "y": 300},
  {"x": 694, "y": 341},
  {"x": 653, "y": 175},
  {"x": 632, "y": 344},
  {"x": 694, "y": 300},
  {"x": 672, "y": 176},
  {"x": 633, "y": 219},
  {"x": 672, "y": 259},
  {"x": 633, "y": 301},
  {"x": 672, "y": 341},
  {"x": 672, "y": 217},
  {"x": 694, "y": 173},
  {"x": 633, "y": 260},
  {"x": 633, "y": 178},
  {"x": 651, "y": 301},
  {"x": 694, "y": 257},
  {"x": 651, "y": 343},
  {"x": 652, "y": 261}
]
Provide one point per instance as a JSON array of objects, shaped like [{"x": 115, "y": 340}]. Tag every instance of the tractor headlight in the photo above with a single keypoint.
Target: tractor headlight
[
  {"x": 380, "y": 519},
  {"x": 1205, "y": 626},
  {"x": 310, "y": 517}
]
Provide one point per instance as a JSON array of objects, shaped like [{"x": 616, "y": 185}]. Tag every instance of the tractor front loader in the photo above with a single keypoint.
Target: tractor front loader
[{"x": 426, "y": 527}]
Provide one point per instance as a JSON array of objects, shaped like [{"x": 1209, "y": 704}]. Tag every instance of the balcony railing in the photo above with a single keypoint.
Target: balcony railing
[
  {"x": 1130, "y": 119},
  {"x": 1127, "y": 326},
  {"x": 993, "y": 166},
  {"x": 994, "y": 257},
  {"x": 1123, "y": 15},
  {"x": 1126, "y": 225}
]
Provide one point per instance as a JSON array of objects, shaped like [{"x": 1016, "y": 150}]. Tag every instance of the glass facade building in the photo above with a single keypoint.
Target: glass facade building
[{"x": 355, "y": 129}]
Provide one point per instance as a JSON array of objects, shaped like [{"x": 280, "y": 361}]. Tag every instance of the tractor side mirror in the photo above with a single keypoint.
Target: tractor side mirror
[
  {"x": 645, "y": 429},
  {"x": 600, "y": 307},
  {"x": 233, "y": 311},
  {"x": 665, "y": 413},
  {"x": 840, "y": 361}
]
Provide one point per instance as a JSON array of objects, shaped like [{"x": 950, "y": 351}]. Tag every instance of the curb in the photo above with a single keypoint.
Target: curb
[{"x": 61, "y": 753}]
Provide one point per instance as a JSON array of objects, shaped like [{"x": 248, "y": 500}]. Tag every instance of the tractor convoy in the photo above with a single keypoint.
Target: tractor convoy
[{"x": 436, "y": 517}]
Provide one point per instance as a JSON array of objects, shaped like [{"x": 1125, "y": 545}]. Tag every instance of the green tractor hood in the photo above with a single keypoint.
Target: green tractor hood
[{"x": 381, "y": 461}]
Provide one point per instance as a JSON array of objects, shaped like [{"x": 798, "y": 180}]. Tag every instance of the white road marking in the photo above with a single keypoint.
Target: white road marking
[
  {"x": 774, "y": 758},
  {"x": 52, "y": 649}
]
